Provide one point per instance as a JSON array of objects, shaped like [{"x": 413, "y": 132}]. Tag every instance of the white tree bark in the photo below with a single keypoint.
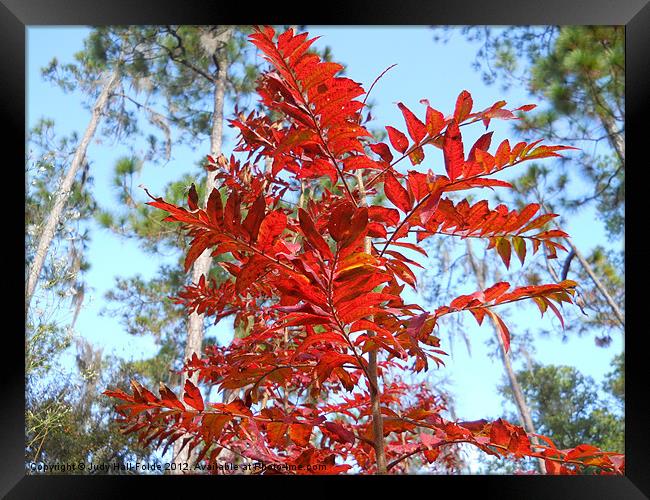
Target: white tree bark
[
  {"x": 201, "y": 267},
  {"x": 65, "y": 188}
]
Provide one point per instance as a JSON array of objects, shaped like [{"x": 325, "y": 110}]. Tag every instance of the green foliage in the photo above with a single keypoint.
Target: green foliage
[
  {"x": 576, "y": 76},
  {"x": 138, "y": 304},
  {"x": 579, "y": 71},
  {"x": 615, "y": 380},
  {"x": 570, "y": 408},
  {"x": 66, "y": 421}
]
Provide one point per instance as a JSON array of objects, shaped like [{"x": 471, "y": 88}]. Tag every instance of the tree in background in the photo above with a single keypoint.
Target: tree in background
[
  {"x": 109, "y": 60},
  {"x": 579, "y": 72},
  {"x": 65, "y": 421},
  {"x": 48, "y": 330},
  {"x": 570, "y": 407},
  {"x": 109, "y": 72}
]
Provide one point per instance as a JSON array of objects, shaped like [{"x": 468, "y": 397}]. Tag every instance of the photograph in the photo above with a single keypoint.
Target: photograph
[{"x": 323, "y": 250}]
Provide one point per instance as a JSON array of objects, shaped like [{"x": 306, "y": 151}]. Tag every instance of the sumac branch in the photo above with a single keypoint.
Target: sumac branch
[{"x": 318, "y": 300}]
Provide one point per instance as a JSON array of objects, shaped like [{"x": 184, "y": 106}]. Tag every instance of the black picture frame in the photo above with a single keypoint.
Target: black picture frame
[{"x": 17, "y": 15}]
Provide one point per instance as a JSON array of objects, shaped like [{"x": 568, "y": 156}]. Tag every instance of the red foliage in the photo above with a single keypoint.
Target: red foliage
[{"x": 317, "y": 302}]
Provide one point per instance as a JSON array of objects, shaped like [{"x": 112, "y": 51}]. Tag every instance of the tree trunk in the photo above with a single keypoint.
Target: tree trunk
[
  {"x": 201, "y": 267},
  {"x": 65, "y": 189},
  {"x": 609, "y": 122},
  {"x": 599, "y": 285},
  {"x": 592, "y": 274},
  {"x": 615, "y": 136},
  {"x": 520, "y": 401}
]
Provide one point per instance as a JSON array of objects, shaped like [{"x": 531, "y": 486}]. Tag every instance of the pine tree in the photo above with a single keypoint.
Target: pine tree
[
  {"x": 579, "y": 71},
  {"x": 201, "y": 67}
]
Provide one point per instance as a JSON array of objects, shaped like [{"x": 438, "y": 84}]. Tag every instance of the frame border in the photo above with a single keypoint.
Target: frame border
[{"x": 16, "y": 16}]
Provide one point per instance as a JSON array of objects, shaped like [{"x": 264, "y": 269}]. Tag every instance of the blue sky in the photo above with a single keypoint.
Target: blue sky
[{"x": 425, "y": 69}]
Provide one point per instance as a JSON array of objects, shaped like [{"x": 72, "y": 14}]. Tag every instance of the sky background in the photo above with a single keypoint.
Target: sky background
[{"x": 425, "y": 69}]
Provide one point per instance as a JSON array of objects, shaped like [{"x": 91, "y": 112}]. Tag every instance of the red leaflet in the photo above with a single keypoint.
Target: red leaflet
[
  {"x": 396, "y": 193},
  {"x": 300, "y": 434},
  {"x": 193, "y": 198},
  {"x": 198, "y": 246},
  {"x": 193, "y": 396},
  {"x": 312, "y": 235},
  {"x": 315, "y": 279},
  {"x": 417, "y": 130},
  {"x": 397, "y": 139},
  {"x": 168, "y": 398},
  {"x": 482, "y": 144},
  {"x": 338, "y": 432},
  {"x": 382, "y": 150},
  {"x": 214, "y": 208},
  {"x": 270, "y": 228},
  {"x": 504, "y": 249},
  {"x": 339, "y": 223},
  {"x": 464, "y": 105},
  {"x": 435, "y": 121},
  {"x": 387, "y": 216},
  {"x": 250, "y": 272},
  {"x": 255, "y": 217},
  {"x": 502, "y": 329},
  {"x": 453, "y": 151}
]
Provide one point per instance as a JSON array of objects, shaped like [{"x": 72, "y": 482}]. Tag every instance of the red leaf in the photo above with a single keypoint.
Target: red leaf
[
  {"x": 300, "y": 433},
  {"x": 396, "y": 193},
  {"x": 169, "y": 398},
  {"x": 254, "y": 217},
  {"x": 339, "y": 223},
  {"x": 504, "y": 249},
  {"x": 416, "y": 156},
  {"x": 339, "y": 433},
  {"x": 383, "y": 151},
  {"x": 270, "y": 228},
  {"x": 502, "y": 156},
  {"x": 312, "y": 235},
  {"x": 453, "y": 151},
  {"x": 496, "y": 290},
  {"x": 193, "y": 198},
  {"x": 193, "y": 396},
  {"x": 464, "y": 105},
  {"x": 429, "y": 207},
  {"x": 250, "y": 272},
  {"x": 526, "y": 107},
  {"x": 214, "y": 207},
  {"x": 501, "y": 327},
  {"x": 388, "y": 216},
  {"x": 198, "y": 246},
  {"x": 435, "y": 121},
  {"x": 416, "y": 129},
  {"x": 483, "y": 143},
  {"x": 397, "y": 139}
]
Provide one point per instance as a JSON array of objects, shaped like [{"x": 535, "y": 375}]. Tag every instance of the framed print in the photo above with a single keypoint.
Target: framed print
[{"x": 307, "y": 243}]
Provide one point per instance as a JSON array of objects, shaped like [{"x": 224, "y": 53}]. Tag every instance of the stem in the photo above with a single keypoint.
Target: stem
[{"x": 375, "y": 393}]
